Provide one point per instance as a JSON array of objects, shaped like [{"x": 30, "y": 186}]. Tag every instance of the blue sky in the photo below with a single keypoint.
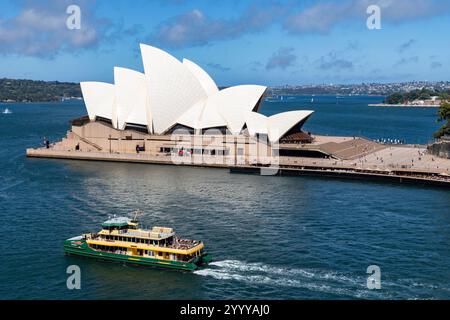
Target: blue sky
[{"x": 247, "y": 41}]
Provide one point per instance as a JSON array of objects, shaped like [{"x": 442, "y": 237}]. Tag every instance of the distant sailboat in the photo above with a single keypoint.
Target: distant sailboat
[
  {"x": 312, "y": 100},
  {"x": 7, "y": 111}
]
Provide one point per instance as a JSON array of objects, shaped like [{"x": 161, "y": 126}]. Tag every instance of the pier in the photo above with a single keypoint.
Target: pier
[{"x": 391, "y": 163}]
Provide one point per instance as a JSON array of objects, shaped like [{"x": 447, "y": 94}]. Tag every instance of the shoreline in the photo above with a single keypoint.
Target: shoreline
[
  {"x": 386, "y": 105},
  {"x": 398, "y": 175}
]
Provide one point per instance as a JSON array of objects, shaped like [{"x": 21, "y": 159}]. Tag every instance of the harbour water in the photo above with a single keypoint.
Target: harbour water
[{"x": 271, "y": 237}]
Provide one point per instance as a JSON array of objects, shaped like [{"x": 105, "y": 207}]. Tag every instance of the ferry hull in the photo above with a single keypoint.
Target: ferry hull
[{"x": 80, "y": 248}]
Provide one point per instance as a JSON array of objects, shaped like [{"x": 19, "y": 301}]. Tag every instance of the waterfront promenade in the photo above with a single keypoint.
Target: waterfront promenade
[
  {"x": 395, "y": 157},
  {"x": 392, "y": 162}
]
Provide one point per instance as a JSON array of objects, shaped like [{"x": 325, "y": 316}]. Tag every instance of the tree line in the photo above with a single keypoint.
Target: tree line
[
  {"x": 443, "y": 116},
  {"x": 37, "y": 91},
  {"x": 423, "y": 94}
]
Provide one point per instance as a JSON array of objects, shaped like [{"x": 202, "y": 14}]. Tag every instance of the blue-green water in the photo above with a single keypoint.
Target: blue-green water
[{"x": 272, "y": 237}]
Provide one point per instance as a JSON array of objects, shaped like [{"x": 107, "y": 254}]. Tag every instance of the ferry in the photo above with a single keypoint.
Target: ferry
[{"x": 122, "y": 240}]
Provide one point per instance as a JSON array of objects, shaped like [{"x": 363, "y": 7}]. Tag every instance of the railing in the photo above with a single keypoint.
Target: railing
[{"x": 96, "y": 146}]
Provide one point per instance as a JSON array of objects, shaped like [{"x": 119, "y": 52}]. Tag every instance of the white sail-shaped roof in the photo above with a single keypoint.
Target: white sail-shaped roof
[
  {"x": 99, "y": 98},
  {"x": 132, "y": 98},
  {"x": 281, "y": 123},
  {"x": 226, "y": 108},
  {"x": 235, "y": 102},
  {"x": 171, "y": 92},
  {"x": 211, "y": 117},
  {"x": 277, "y": 125},
  {"x": 200, "y": 116},
  {"x": 173, "y": 89},
  {"x": 191, "y": 118},
  {"x": 203, "y": 77},
  {"x": 257, "y": 123}
]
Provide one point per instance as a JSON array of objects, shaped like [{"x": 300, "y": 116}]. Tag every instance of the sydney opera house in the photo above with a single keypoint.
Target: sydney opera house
[
  {"x": 174, "y": 113},
  {"x": 171, "y": 104}
]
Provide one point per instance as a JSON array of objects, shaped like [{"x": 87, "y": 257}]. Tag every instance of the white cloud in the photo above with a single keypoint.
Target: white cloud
[
  {"x": 39, "y": 29},
  {"x": 283, "y": 58},
  {"x": 194, "y": 28},
  {"x": 323, "y": 16}
]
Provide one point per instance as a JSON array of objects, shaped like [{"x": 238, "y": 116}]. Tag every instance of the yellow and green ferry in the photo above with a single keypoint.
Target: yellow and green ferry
[{"x": 121, "y": 239}]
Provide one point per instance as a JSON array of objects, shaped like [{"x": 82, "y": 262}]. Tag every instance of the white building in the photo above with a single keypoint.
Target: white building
[{"x": 171, "y": 94}]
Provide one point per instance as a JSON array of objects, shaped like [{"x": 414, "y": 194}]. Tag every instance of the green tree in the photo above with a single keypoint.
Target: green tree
[
  {"x": 395, "y": 98},
  {"x": 443, "y": 115},
  {"x": 444, "y": 96}
]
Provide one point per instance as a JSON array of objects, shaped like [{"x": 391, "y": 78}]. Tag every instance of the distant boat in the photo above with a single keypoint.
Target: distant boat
[
  {"x": 7, "y": 111},
  {"x": 312, "y": 100}
]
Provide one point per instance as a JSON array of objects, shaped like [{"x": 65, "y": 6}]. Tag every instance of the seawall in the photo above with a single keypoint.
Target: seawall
[
  {"x": 319, "y": 170},
  {"x": 342, "y": 174}
]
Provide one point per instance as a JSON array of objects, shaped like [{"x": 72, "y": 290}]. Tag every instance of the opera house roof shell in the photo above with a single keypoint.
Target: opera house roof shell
[{"x": 171, "y": 93}]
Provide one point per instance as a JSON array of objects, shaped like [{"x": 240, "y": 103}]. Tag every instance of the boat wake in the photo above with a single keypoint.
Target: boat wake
[{"x": 310, "y": 279}]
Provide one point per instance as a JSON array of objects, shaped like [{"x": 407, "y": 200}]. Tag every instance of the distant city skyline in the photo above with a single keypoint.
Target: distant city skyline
[{"x": 262, "y": 42}]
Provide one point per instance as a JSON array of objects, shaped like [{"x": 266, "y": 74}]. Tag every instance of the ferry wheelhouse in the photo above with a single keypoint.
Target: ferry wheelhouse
[{"x": 121, "y": 239}]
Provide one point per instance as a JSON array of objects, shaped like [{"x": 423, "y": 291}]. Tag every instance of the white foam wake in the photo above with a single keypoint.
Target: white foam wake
[{"x": 274, "y": 276}]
